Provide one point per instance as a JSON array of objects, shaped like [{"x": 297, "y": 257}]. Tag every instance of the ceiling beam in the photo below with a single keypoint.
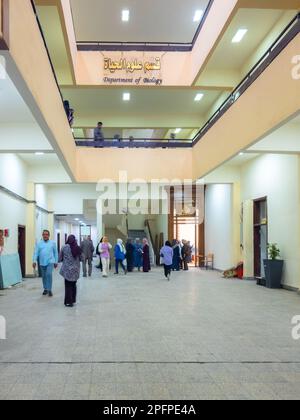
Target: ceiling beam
[{"x": 270, "y": 4}]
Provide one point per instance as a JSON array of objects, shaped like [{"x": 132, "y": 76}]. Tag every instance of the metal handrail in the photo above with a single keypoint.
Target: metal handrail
[
  {"x": 135, "y": 139},
  {"x": 137, "y": 143}
]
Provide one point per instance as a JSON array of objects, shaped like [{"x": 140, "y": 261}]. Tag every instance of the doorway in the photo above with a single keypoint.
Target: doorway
[
  {"x": 260, "y": 219},
  {"x": 191, "y": 230},
  {"x": 58, "y": 242},
  {"x": 22, "y": 248}
]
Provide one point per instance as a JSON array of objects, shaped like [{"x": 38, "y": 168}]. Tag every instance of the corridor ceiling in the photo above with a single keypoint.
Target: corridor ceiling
[
  {"x": 159, "y": 108},
  {"x": 150, "y": 21}
]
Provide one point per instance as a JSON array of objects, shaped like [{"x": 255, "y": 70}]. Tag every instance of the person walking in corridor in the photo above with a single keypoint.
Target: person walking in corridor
[
  {"x": 138, "y": 254},
  {"x": 104, "y": 251},
  {"x": 47, "y": 255},
  {"x": 146, "y": 256},
  {"x": 70, "y": 256},
  {"x": 186, "y": 254},
  {"x": 120, "y": 256},
  {"x": 176, "y": 255},
  {"x": 130, "y": 255},
  {"x": 87, "y": 255},
  {"x": 166, "y": 254}
]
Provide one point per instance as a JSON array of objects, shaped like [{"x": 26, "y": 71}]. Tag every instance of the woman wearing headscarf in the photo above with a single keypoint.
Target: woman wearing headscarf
[
  {"x": 70, "y": 256},
  {"x": 120, "y": 256},
  {"x": 130, "y": 255},
  {"x": 176, "y": 255},
  {"x": 138, "y": 254},
  {"x": 104, "y": 251},
  {"x": 166, "y": 254},
  {"x": 146, "y": 256},
  {"x": 97, "y": 252}
]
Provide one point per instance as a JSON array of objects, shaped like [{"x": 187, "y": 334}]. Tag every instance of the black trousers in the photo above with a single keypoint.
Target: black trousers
[
  {"x": 168, "y": 269},
  {"x": 122, "y": 265},
  {"x": 70, "y": 292}
]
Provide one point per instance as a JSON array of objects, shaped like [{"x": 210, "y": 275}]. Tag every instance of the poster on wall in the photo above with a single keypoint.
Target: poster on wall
[{"x": 1, "y": 241}]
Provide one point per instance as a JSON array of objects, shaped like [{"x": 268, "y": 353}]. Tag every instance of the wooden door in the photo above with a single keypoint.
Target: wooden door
[{"x": 22, "y": 248}]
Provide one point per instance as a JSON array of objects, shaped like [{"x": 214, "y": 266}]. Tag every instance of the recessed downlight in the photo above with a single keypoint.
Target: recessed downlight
[
  {"x": 199, "y": 97},
  {"x": 126, "y": 96},
  {"x": 125, "y": 15},
  {"x": 239, "y": 36},
  {"x": 39, "y": 153},
  {"x": 198, "y": 15}
]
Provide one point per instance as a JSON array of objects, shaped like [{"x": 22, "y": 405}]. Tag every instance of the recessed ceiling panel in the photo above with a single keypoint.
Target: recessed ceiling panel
[{"x": 150, "y": 21}]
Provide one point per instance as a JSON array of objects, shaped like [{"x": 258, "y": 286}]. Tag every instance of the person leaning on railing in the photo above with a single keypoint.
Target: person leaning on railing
[{"x": 98, "y": 133}]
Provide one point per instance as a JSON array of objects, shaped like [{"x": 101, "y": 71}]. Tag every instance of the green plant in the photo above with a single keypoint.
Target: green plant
[{"x": 273, "y": 251}]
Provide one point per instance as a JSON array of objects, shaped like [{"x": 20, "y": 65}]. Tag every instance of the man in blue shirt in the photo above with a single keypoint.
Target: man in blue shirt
[{"x": 46, "y": 253}]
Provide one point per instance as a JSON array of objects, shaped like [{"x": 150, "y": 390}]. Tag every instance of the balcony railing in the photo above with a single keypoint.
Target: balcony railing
[{"x": 136, "y": 143}]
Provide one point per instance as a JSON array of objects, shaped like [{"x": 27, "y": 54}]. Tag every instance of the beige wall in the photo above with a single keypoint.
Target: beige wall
[
  {"x": 4, "y": 27},
  {"x": 148, "y": 164},
  {"x": 178, "y": 68},
  {"x": 29, "y": 55},
  {"x": 270, "y": 101},
  {"x": 1, "y": 18}
]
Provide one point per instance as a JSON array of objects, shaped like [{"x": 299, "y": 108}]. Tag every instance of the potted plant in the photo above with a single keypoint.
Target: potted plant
[{"x": 273, "y": 267}]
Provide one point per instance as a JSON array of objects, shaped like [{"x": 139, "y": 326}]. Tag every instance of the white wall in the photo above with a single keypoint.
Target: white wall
[
  {"x": 41, "y": 196},
  {"x": 13, "y": 173},
  {"x": 13, "y": 176},
  {"x": 277, "y": 177},
  {"x": 22, "y": 137},
  {"x": 218, "y": 224}
]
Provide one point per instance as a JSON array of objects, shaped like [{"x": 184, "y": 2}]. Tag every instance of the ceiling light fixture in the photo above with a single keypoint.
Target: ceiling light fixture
[
  {"x": 177, "y": 131},
  {"x": 126, "y": 96},
  {"x": 198, "y": 15},
  {"x": 125, "y": 15},
  {"x": 239, "y": 36},
  {"x": 198, "y": 97},
  {"x": 241, "y": 154},
  {"x": 39, "y": 153}
]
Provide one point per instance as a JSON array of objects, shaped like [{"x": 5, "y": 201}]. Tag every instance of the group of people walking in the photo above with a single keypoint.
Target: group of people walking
[
  {"x": 129, "y": 256},
  {"x": 176, "y": 256},
  {"x": 133, "y": 255}
]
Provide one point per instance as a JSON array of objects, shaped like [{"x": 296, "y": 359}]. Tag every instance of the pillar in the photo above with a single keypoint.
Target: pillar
[
  {"x": 236, "y": 223},
  {"x": 30, "y": 228},
  {"x": 100, "y": 231},
  {"x": 248, "y": 245}
]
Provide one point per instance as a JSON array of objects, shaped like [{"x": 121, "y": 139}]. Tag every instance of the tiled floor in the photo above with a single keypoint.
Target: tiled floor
[{"x": 140, "y": 337}]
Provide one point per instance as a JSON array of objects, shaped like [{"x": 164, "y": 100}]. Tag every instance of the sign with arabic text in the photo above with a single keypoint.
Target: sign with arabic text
[
  {"x": 132, "y": 71},
  {"x": 131, "y": 66}
]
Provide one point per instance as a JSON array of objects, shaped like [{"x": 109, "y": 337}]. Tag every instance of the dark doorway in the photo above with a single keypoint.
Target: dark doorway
[
  {"x": 58, "y": 242},
  {"x": 260, "y": 236},
  {"x": 66, "y": 237},
  {"x": 22, "y": 248}
]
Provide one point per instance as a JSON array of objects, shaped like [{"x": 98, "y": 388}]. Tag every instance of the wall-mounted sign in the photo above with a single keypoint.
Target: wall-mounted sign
[
  {"x": 133, "y": 71},
  {"x": 131, "y": 66}
]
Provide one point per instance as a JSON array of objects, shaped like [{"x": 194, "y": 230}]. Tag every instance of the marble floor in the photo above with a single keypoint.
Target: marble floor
[{"x": 138, "y": 336}]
